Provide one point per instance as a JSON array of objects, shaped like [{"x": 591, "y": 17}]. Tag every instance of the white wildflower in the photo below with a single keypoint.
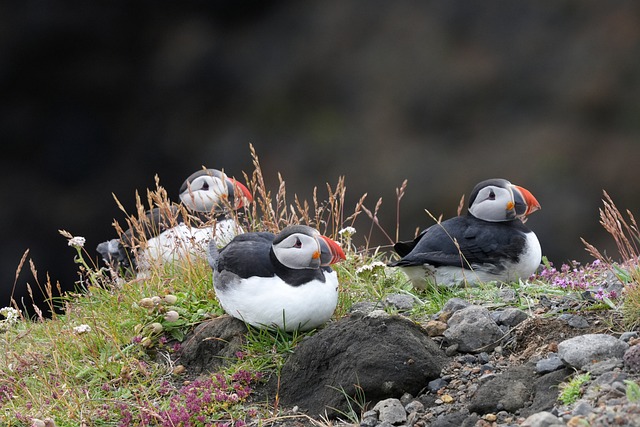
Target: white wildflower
[
  {"x": 171, "y": 316},
  {"x": 156, "y": 327},
  {"x": 370, "y": 267},
  {"x": 10, "y": 313},
  {"x": 11, "y": 317},
  {"x": 349, "y": 231},
  {"x": 170, "y": 299},
  {"x": 77, "y": 241},
  {"x": 81, "y": 329}
]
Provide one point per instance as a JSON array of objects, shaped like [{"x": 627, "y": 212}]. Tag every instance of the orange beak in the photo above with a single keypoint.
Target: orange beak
[
  {"x": 330, "y": 251},
  {"x": 526, "y": 204},
  {"x": 241, "y": 190}
]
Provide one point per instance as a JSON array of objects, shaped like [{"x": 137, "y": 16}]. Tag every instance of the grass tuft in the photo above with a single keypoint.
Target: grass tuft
[
  {"x": 625, "y": 233},
  {"x": 571, "y": 391}
]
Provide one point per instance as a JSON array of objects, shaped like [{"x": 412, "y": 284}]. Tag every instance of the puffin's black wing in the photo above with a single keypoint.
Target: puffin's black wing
[
  {"x": 247, "y": 255},
  {"x": 480, "y": 242},
  {"x": 404, "y": 248}
]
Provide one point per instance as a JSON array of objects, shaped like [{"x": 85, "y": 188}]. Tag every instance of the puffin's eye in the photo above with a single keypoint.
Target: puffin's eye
[
  {"x": 492, "y": 195},
  {"x": 298, "y": 243},
  {"x": 205, "y": 186}
]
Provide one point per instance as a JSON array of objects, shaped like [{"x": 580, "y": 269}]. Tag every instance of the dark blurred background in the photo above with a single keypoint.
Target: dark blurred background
[{"x": 97, "y": 98}]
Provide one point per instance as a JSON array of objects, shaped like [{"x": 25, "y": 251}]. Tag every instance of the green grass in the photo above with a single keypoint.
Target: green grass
[
  {"x": 572, "y": 390},
  {"x": 107, "y": 360}
]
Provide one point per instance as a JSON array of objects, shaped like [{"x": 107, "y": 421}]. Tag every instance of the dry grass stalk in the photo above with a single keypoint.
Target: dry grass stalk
[
  {"x": 399, "y": 195},
  {"x": 461, "y": 205},
  {"x": 625, "y": 233}
]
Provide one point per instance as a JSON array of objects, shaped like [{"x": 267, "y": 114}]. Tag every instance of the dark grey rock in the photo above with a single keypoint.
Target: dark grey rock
[
  {"x": 451, "y": 350},
  {"x": 518, "y": 389},
  {"x": 574, "y": 320},
  {"x": 585, "y": 349},
  {"x": 437, "y": 384},
  {"x": 577, "y": 321},
  {"x": 406, "y": 398},
  {"x": 549, "y": 364},
  {"x": 545, "y": 391},
  {"x": 608, "y": 378},
  {"x": 212, "y": 343},
  {"x": 603, "y": 366},
  {"x": 626, "y": 336},
  {"x": 511, "y": 317},
  {"x": 369, "y": 421},
  {"x": 473, "y": 330},
  {"x": 582, "y": 408},
  {"x": 457, "y": 419},
  {"x": 414, "y": 406},
  {"x": 454, "y": 304},
  {"x": 509, "y": 391},
  {"x": 377, "y": 356}
]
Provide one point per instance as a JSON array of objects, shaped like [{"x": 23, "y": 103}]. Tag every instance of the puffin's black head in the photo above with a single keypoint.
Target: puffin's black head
[
  {"x": 210, "y": 189},
  {"x": 497, "y": 200},
  {"x": 301, "y": 246}
]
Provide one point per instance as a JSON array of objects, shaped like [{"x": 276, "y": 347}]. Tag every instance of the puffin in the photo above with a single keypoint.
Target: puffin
[
  {"x": 208, "y": 195},
  {"x": 282, "y": 280},
  {"x": 490, "y": 243}
]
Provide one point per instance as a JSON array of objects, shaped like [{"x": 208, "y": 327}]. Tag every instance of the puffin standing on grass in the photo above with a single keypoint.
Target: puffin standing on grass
[
  {"x": 279, "y": 280},
  {"x": 489, "y": 243},
  {"x": 163, "y": 235}
]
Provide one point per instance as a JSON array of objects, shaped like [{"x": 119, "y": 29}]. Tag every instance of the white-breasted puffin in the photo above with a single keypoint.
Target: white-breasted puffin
[
  {"x": 489, "y": 243},
  {"x": 279, "y": 280},
  {"x": 208, "y": 196}
]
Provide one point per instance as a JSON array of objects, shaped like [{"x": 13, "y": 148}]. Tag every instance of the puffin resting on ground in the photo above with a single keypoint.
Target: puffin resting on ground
[
  {"x": 489, "y": 243},
  {"x": 163, "y": 235},
  {"x": 279, "y": 280}
]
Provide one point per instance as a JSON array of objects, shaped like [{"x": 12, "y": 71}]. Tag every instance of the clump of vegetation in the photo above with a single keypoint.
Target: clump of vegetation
[
  {"x": 632, "y": 391},
  {"x": 572, "y": 390},
  {"x": 574, "y": 276},
  {"x": 625, "y": 232}
]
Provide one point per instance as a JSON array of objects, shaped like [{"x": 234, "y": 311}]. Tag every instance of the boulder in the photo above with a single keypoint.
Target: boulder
[{"x": 357, "y": 359}]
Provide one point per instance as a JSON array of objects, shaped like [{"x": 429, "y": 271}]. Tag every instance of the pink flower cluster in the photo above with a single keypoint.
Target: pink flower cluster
[{"x": 577, "y": 277}]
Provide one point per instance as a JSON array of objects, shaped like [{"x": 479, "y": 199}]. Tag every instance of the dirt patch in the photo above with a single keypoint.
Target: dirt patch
[{"x": 538, "y": 336}]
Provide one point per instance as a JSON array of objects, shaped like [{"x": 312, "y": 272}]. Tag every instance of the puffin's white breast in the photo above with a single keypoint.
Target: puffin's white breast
[
  {"x": 527, "y": 264},
  {"x": 269, "y": 301},
  {"x": 184, "y": 243}
]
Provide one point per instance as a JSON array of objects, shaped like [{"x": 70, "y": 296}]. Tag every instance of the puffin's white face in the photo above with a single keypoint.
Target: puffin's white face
[
  {"x": 301, "y": 246},
  {"x": 494, "y": 204},
  {"x": 298, "y": 251},
  {"x": 204, "y": 193}
]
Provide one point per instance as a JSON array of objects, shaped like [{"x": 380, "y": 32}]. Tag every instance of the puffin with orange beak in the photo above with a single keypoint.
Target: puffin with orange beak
[
  {"x": 164, "y": 236},
  {"x": 490, "y": 243},
  {"x": 279, "y": 280}
]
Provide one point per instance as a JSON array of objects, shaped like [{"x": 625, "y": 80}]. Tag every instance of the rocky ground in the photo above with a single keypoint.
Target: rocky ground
[{"x": 471, "y": 364}]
